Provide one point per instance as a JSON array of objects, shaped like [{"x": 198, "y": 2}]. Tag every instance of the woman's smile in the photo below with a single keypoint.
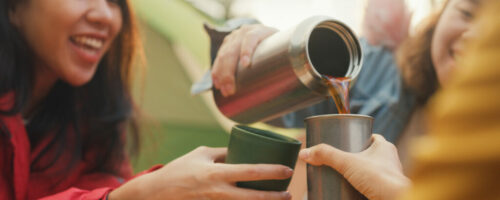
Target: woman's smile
[
  {"x": 71, "y": 38},
  {"x": 88, "y": 47}
]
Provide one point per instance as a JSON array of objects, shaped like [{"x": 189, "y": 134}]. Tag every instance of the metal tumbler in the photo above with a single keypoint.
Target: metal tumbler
[
  {"x": 347, "y": 132},
  {"x": 286, "y": 68}
]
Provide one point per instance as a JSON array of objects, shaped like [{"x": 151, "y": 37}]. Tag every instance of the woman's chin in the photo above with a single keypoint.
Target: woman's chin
[
  {"x": 79, "y": 76},
  {"x": 79, "y": 80},
  {"x": 78, "y": 83}
]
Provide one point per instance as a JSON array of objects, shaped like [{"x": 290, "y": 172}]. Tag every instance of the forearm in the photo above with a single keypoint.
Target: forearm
[{"x": 133, "y": 189}]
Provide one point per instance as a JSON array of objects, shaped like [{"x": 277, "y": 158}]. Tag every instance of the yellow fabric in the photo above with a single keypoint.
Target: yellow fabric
[{"x": 460, "y": 157}]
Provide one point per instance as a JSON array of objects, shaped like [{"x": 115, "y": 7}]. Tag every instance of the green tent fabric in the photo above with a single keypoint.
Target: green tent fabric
[{"x": 174, "y": 122}]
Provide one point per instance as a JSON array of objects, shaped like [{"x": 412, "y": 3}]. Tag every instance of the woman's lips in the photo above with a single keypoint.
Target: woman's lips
[{"x": 87, "y": 48}]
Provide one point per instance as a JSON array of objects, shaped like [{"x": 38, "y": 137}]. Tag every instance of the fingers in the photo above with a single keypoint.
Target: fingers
[
  {"x": 377, "y": 138},
  {"x": 381, "y": 149},
  {"x": 380, "y": 144},
  {"x": 324, "y": 154},
  {"x": 251, "y": 172},
  {"x": 225, "y": 64},
  {"x": 237, "y": 49},
  {"x": 250, "y": 42},
  {"x": 339, "y": 160},
  {"x": 241, "y": 193}
]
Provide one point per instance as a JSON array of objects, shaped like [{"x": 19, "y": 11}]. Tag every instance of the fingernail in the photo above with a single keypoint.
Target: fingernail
[
  {"x": 289, "y": 171},
  {"x": 304, "y": 154},
  {"x": 245, "y": 61},
  {"x": 286, "y": 195}
]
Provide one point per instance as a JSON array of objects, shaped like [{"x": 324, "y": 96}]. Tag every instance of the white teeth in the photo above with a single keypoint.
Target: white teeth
[{"x": 90, "y": 42}]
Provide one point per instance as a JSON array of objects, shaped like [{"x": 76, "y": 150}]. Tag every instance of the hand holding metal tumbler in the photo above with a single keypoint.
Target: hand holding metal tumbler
[{"x": 346, "y": 132}]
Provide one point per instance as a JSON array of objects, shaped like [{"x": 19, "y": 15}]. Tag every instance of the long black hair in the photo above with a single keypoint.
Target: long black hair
[{"x": 88, "y": 121}]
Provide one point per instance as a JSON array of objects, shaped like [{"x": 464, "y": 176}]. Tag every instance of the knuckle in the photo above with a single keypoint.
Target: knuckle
[
  {"x": 212, "y": 174},
  {"x": 222, "y": 59},
  {"x": 314, "y": 154},
  {"x": 376, "y": 140},
  {"x": 245, "y": 27},
  {"x": 223, "y": 54},
  {"x": 202, "y": 148},
  {"x": 215, "y": 72},
  {"x": 378, "y": 137},
  {"x": 322, "y": 148},
  {"x": 391, "y": 146},
  {"x": 227, "y": 79},
  {"x": 254, "y": 33},
  {"x": 228, "y": 38}
]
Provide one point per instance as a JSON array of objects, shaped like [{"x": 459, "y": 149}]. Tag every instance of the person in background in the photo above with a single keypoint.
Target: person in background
[
  {"x": 66, "y": 105},
  {"x": 459, "y": 158}
]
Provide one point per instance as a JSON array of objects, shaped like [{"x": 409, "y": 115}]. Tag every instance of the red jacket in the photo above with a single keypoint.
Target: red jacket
[{"x": 18, "y": 182}]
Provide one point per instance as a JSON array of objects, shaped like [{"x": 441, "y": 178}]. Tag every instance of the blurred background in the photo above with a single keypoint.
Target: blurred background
[{"x": 177, "y": 54}]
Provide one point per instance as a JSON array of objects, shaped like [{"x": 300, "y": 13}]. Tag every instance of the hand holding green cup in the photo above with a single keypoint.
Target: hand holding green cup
[{"x": 255, "y": 146}]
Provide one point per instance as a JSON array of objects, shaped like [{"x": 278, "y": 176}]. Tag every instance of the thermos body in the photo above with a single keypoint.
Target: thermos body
[{"x": 286, "y": 68}]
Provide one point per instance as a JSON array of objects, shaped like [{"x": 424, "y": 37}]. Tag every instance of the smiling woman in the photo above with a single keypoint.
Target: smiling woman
[
  {"x": 65, "y": 107},
  {"x": 51, "y": 53}
]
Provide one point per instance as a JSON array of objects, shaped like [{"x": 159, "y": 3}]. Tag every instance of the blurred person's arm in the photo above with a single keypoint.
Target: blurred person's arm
[{"x": 460, "y": 157}]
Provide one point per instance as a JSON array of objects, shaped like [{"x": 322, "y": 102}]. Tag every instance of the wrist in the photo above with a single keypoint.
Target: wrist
[{"x": 133, "y": 189}]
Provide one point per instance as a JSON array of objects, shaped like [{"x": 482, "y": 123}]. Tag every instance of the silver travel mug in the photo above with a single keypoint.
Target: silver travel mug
[
  {"x": 347, "y": 132},
  {"x": 286, "y": 68}
]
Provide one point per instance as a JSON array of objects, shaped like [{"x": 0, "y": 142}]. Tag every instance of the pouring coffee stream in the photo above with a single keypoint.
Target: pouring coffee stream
[{"x": 339, "y": 89}]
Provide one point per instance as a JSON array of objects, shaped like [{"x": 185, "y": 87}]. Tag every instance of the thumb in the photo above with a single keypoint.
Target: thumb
[{"x": 324, "y": 154}]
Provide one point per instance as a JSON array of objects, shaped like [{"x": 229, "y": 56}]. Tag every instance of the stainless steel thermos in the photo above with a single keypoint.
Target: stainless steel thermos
[{"x": 286, "y": 68}]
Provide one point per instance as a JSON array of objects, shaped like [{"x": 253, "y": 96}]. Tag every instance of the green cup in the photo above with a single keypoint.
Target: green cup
[{"x": 255, "y": 146}]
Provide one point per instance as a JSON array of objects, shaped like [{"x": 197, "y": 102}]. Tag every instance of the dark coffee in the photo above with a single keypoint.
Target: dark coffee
[{"x": 339, "y": 89}]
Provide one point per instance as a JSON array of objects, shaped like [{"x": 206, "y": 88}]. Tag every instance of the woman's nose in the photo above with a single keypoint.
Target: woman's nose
[{"x": 100, "y": 13}]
